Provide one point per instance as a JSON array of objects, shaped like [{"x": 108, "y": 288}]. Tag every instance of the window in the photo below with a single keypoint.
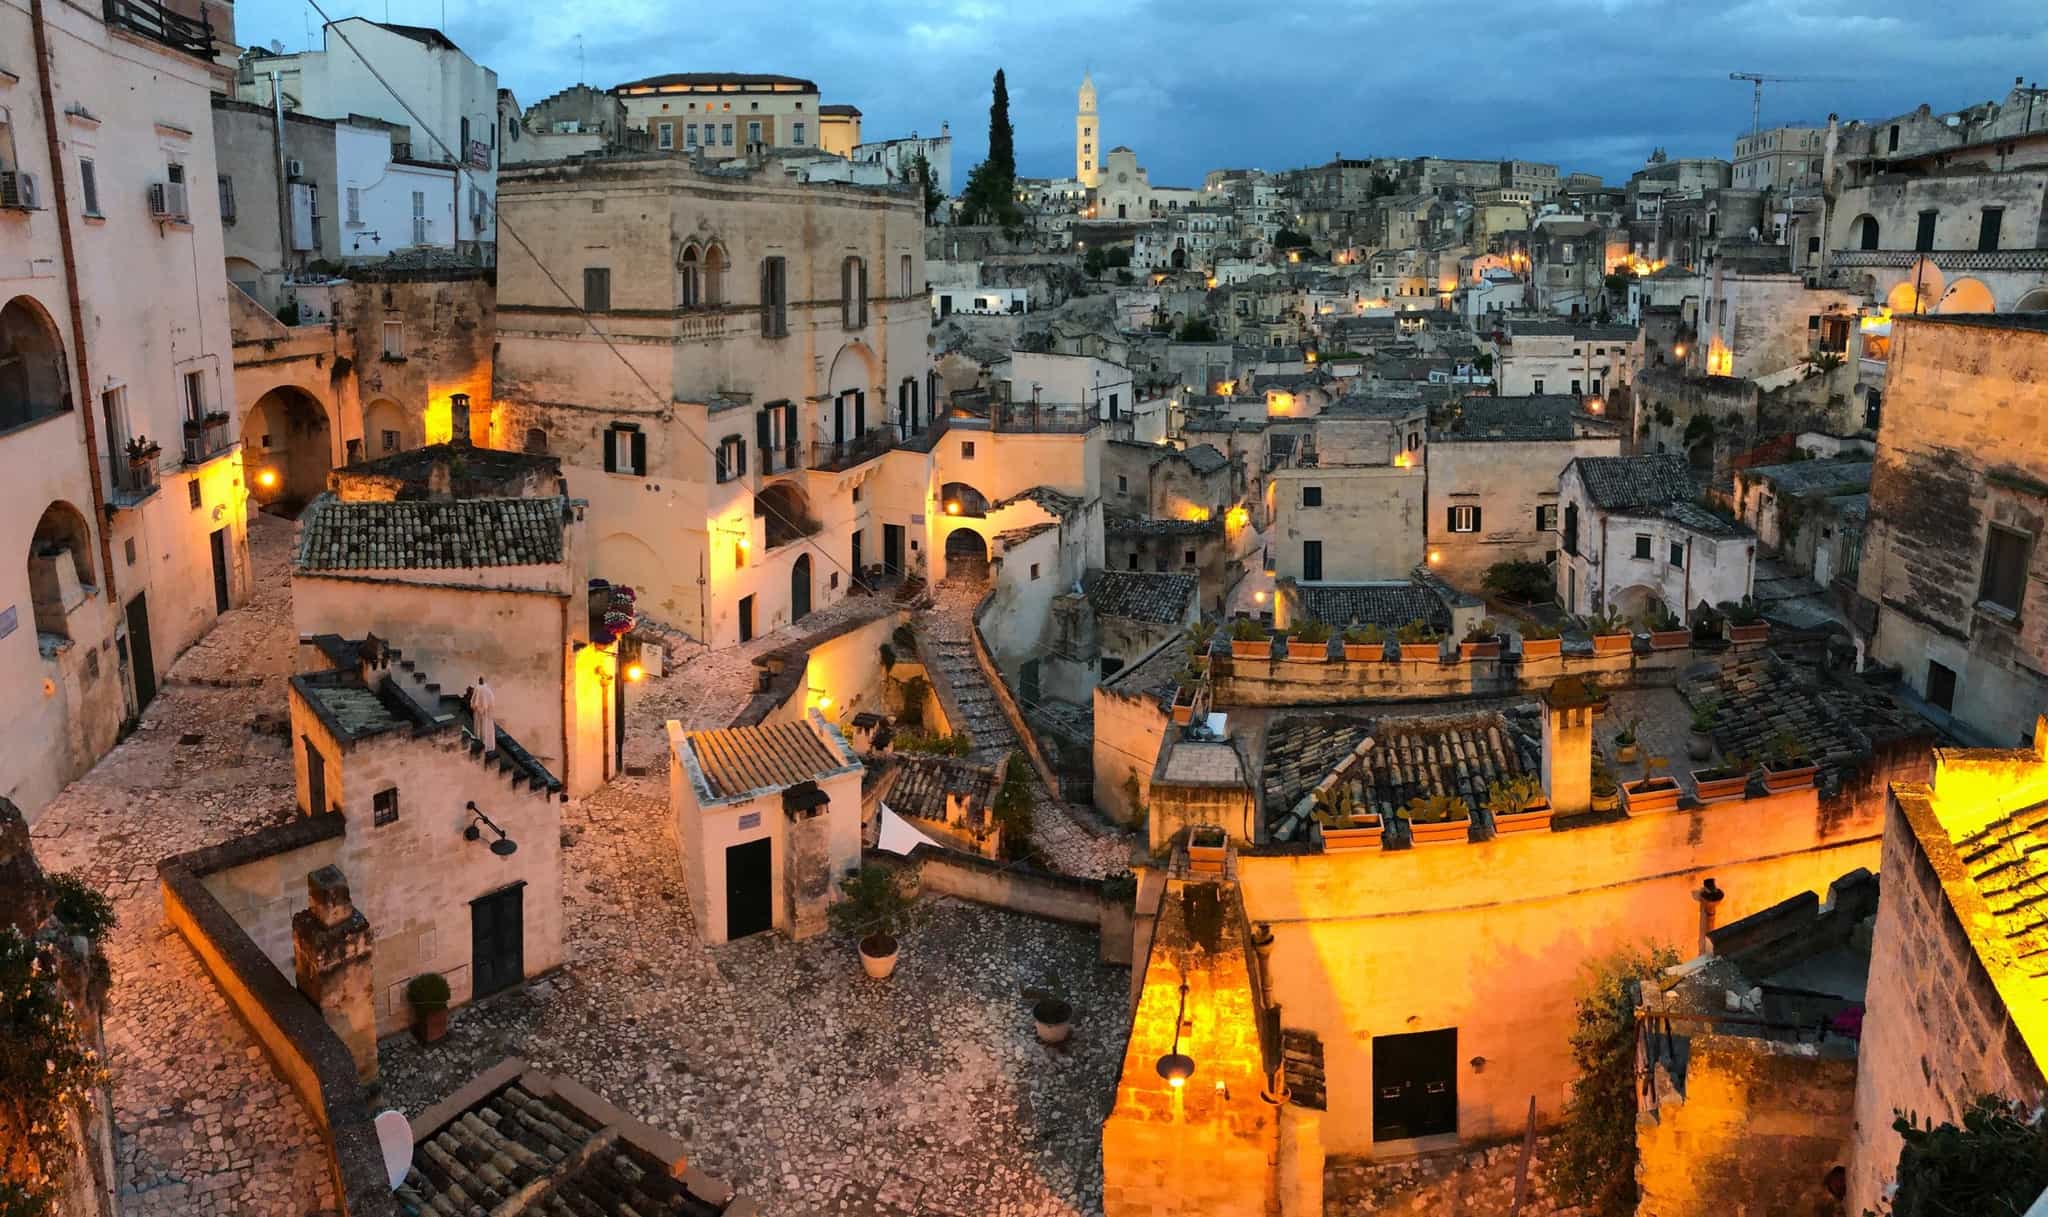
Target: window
[
  {"x": 966, "y": 449},
  {"x": 689, "y": 287},
  {"x": 352, "y": 199},
  {"x": 227, "y": 199},
  {"x": 665, "y": 135},
  {"x": 389, "y": 439},
  {"x": 1187, "y": 557},
  {"x": 1312, "y": 561},
  {"x": 796, "y": 134},
  {"x": 1678, "y": 554},
  {"x": 853, "y": 293},
  {"x": 462, "y": 149},
  {"x": 690, "y": 135},
  {"x": 192, "y": 492},
  {"x": 753, "y": 133},
  {"x": 903, "y": 276},
  {"x": 175, "y": 173},
  {"x": 2005, "y": 569},
  {"x": 1133, "y": 562},
  {"x": 1464, "y": 517},
  {"x": 1923, "y": 240},
  {"x": 384, "y": 807},
  {"x": 724, "y": 134},
  {"x": 1546, "y": 517},
  {"x": 195, "y": 395},
  {"x": 1941, "y": 686},
  {"x": 1987, "y": 228},
  {"x": 597, "y": 289},
  {"x": 394, "y": 340},
  {"x": 1123, "y": 484},
  {"x": 1571, "y": 534},
  {"x": 89, "y": 186},
  {"x": 775, "y": 297},
  {"x": 1538, "y": 390},
  {"x": 1893, "y": 144},
  {"x": 1311, "y": 496},
  {"x": 419, "y": 217},
  {"x": 732, "y": 458},
  {"x": 625, "y": 449},
  {"x": 1034, "y": 570},
  {"x": 1643, "y": 546},
  {"x": 1576, "y": 390},
  {"x": 1414, "y": 1085},
  {"x": 537, "y": 440}
]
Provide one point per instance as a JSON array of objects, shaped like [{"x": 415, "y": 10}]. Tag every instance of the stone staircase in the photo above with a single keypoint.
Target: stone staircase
[
  {"x": 444, "y": 712},
  {"x": 945, "y": 638}
]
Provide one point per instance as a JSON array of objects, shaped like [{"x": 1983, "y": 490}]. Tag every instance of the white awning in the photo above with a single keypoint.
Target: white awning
[{"x": 897, "y": 836}]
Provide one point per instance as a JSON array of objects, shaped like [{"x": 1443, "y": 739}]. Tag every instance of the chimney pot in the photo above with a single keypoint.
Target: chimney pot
[{"x": 458, "y": 420}]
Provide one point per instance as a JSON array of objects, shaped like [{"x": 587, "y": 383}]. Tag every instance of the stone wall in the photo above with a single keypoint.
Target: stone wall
[
  {"x": 1280, "y": 682},
  {"x": 1757, "y": 1130},
  {"x": 1065, "y": 898},
  {"x": 1474, "y": 1181}
]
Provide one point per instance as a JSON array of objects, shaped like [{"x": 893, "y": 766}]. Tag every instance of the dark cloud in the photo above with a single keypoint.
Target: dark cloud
[{"x": 1198, "y": 84}]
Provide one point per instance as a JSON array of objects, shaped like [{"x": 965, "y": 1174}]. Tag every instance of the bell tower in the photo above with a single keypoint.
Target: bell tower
[{"x": 1087, "y": 137}]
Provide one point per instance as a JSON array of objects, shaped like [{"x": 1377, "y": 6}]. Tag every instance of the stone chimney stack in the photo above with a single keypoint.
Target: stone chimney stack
[
  {"x": 331, "y": 955},
  {"x": 458, "y": 420},
  {"x": 1568, "y": 746}
]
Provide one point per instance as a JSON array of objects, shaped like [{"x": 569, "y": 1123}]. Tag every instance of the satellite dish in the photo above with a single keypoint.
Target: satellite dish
[
  {"x": 394, "y": 1137},
  {"x": 277, "y": 46}
]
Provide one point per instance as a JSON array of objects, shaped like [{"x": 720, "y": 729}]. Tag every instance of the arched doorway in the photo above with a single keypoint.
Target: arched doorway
[
  {"x": 1632, "y": 602},
  {"x": 1179, "y": 257},
  {"x": 289, "y": 448},
  {"x": 33, "y": 381},
  {"x": 2033, "y": 302},
  {"x": 785, "y": 514},
  {"x": 60, "y": 569},
  {"x": 800, "y": 588},
  {"x": 1864, "y": 233},
  {"x": 966, "y": 556},
  {"x": 383, "y": 429},
  {"x": 1967, "y": 296},
  {"x": 962, "y": 501}
]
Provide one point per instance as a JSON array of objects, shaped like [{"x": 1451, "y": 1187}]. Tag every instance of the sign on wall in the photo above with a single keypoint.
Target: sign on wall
[
  {"x": 10, "y": 618},
  {"x": 479, "y": 154}
]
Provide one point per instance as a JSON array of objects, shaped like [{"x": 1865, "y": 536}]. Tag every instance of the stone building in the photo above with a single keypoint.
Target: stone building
[
  {"x": 1347, "y": 500},
  {"x": 723, "y": 113},
  {"x": 125, "y": 496},
  {"x": 1493, "y": 480},
  {"x": 769, "y": 818},
  {"x": 1760, "y": 321},
  {"x": 1948, "y": 566},
  {"x": 949, "y": 799},
  {"x": 781, "y": 446},
  {"x": 1536, "y": 357},
  {"x": 1810, "y": 512},
  {"x": 1634, "y": 534}
]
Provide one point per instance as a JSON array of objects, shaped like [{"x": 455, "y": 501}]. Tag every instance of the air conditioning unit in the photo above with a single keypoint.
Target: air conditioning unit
[
  {"x": 167, "y": 201},
  {"x": 18, "y": 190},
  {"x": 294, "y": 167}
]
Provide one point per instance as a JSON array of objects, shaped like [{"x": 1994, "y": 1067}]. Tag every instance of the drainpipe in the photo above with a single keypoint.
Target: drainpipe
[
  {"x": 1709, "y": 898},
  {"x": 44, "y": 70},
  {"x": 284, "y": 190}
]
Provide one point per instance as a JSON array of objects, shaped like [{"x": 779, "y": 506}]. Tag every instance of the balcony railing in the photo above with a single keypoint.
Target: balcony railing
[
  {"x": 146, "y": 19},
  {"x": 205, "y": 438},
  {"x": 1946, "y": 259},
  {"x": 1044, "y": 419},
  {"x": 135, "y": 475},
  {"x": 834, "y": 456}
]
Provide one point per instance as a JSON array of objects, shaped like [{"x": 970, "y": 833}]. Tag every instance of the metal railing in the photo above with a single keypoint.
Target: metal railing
[
  {"x": 1042, "y": 419},
  {"x": 837, "y": 455},
  {"x": 136, "y": 477},
  {"x": 206, "y": 438},
  {"x": 147, "y": 19}
]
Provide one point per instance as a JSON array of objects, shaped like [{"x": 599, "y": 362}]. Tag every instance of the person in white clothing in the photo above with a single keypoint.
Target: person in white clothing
[{"x": 480, "y": 703}]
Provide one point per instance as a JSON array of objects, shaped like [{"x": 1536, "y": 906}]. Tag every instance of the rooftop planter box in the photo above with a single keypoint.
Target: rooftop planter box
[
  {"x": 1249, "y": 640},
  {"x": 1206, "y": 845},
  {"x": 1183, "y": 706},
  {"x": 1613, "y": 644},
  {"x": 1541, "y": 648},
  {"x": 1353, "y": 832},
  {"x": 1756, "y": 631},
  {"x": 1309, "y": 642},
  {"x": 1367, "y": 643},
  {"x": 1791, "y": 773},
  {"x": 1440, "y": 833},
  {"x": 1650, "y": 794},
  {"x": 1421, "y": 652},
  {"x": 1720, "y": 783},
  {"x": 1481, "y": 641},
  {"x": 1438, "y": 819},
  {"x": 1535, "y": 818},
  {"x": 1670, "y": 640}
]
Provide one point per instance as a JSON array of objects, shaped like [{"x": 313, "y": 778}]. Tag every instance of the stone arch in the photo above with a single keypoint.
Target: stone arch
[
  {"x": 2035, "y": 300},
  {"x": 60, "y": 567},
  {"x": 801, "y": 586},
  {"x": 966, "y": 552},
  {"x": 624, "y": 558},
  {"x": 785, "y": 513},
  {"x": 690, "y": 277},
  {"x": 34, "y": 380},
  {"x": 1864, "y": 232},
  {"x": 716, "y": 263},
  {"x": 288, "y": 446},
  {"x": 1967, "y": 296},
  {"x": 384, "y": 429},
  {"x": 1633, "y": 601},
  {"x": 962, "y": 501},
  {"x": 855, "y": 372},
  {"x": 248, "y": 276},
  {"x": 1904, "y": 299}
]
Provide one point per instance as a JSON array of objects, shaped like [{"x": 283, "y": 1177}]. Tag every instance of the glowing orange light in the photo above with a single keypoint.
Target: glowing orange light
[
  {"x": 267, "y": 478},
  {"x": 1259, "y": 597},
  {"x": 744, "y": 544},
  {"x": 824, "y": 703},
  {"x": 1176, "y": 1081},
  {"x": 1678, "y": 352},
  {"x": 953, "y": 508},
  {"x": 1196, "y": 514},
  {"x": 635, "y": 673},
  {"x": 1435, "y": 556},
  {"x": 1238, "y": 517}
]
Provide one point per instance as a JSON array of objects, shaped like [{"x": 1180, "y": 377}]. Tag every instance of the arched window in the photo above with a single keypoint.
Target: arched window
[
  {"x": 537, "y": 440},
  {"x": 713, "y": 292},
  {"x": 903, "y": 274},
  {"x": 1866, "y": 232},
  {"x": 33, "y": 381},
  {"x": 689, "y": 282}
]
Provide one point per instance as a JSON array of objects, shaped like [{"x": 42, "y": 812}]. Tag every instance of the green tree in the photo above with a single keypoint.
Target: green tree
[
  {"x": 1196, "y": 329},
  {"x": 921, "y": 170},
  {"x": 1287, "y": 238},
  {"x": 1995, "y": 1164},
  {"x": 1013, "y": 811},
  {"x": 1593, "y": 1159},
  {"x": 991, "y": 193},
  {"x": 47, "y": 1073},
  {"x": 1002, "y": 150}
]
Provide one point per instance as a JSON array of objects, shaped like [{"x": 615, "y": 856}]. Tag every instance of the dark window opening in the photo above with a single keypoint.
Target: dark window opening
[
  {"x": 1987, "y": 228},
  {"x": 2005, "y": 568},
  {"x": 384, "y": 807},
  {"x": 597, "y": 289},
  {"x": 1923, "y": 240}
]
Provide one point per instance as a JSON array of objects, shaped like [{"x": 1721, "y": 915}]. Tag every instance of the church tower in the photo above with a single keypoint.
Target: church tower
[{"x": 1087, "y": 138}]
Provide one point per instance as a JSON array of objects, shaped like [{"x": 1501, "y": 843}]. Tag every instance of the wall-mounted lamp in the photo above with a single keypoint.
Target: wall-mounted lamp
[
  {"x": 635, "y": 672},
  {"x": 267, "y": 479},
  {"x": 1176, "y": 1066},
  {"x": 504, "y": 846}
]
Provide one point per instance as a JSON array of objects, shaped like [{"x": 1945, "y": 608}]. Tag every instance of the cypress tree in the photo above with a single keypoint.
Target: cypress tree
[{"x": 1002, "y": 150}]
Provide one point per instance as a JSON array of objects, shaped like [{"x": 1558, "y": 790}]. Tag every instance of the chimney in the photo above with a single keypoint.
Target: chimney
[
  {"x": 458, "y": 420},
  {"x": 1709, "y": 897},
  {"x": 1568, "y": 746}
]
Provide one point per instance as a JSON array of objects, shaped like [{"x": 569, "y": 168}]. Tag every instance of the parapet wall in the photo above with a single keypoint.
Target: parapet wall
[
  {"x": 1289, "y": 682},
  {"x": 1067, "y": 898}
]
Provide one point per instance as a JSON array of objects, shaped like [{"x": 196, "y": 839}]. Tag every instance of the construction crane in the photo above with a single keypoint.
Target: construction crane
[{"x": 1756, "y": 105}]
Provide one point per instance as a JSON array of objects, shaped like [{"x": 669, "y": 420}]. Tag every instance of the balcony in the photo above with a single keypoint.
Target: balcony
[
  {"x": 135, "y": 474},
  {"x": 835, "y": 456},
  {"x": 206, "y": 438},
  {"x": 145, "y": 19},
  {"x": 1946, "y": 259},
  {"x": 1026, "y": 418},
  {"x": 693, "y": 326}
]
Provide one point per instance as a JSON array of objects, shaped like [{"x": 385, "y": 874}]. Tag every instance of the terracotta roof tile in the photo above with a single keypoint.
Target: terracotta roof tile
[
  {"x": 451, "y": 534},
  {"x": 738, "y": 760}
]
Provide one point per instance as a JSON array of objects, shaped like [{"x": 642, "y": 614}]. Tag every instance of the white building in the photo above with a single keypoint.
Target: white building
[
  {"x": 979, "y": 301},
  {"x": 124, "y": 509},
  {"x": 1576, "y": 357},
  {"x": 900, "y": 156},
  {"x": 1071, "y": 380},
  {"x": 1632, "y": 533},
  {"x": 455, "y": 98}
]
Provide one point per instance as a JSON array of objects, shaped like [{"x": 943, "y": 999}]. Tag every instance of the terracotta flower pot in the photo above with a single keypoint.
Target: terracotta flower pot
[
  {"x": 1670, "y": 640},
  {"x": 1613, "y": 644},
  {"x": 1183, "y": 713},
  {"x": 1651, "y": 794},
  {"x": 1626, "y": 754},
  {"x": 1422, "y": 652},
  {"x": 1308, "y": 652},
  {"x": 1364, "y": 834},
  {"x": 429, "y": 1023},
  {"x": 1479, "y": 650},
  {"x": 1756, "y": 632},
  {"x": 1606, "y": 802},
  {"x": 1794, "y": 776},
  {"x": 1440, "y": 833},
  {"x": 1717, "y": 785},
  {"x": 878, "y": 955},
  {"x": 1053, "y": 1019},
  {"x": 1364, "y": 652},
  {"x": 1542, "y": 648},
  {"x": 1241, "y": 648},
  {"x": 1530, "y": 819},
  {"x": 1699, "y": 745}
]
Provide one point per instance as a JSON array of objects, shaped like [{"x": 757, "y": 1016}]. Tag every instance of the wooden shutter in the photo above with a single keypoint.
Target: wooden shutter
[
  {"x": 639, "y": 452},
  {"x": 767, "y": 299},
  {"x": 862, "y": 307},
  {"x": 764, "y": 439},
  {"x": 789, "y": 441},
  {"x": 1451, "y": 519},
  {"x": 1476, "y": 525},
  {"x": 611, "y": 450},
  {"x": 846, "y": 292}
]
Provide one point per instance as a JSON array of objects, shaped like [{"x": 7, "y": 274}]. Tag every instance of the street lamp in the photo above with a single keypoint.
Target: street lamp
[{"x": 1176, "y": 1066}]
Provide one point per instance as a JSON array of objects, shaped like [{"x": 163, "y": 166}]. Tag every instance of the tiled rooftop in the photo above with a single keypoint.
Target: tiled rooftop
[
  {"x": 1391, "y": 761},
  {"x": 1388, "y": 605},
  {"x": 1161, "y": 599},
  {"x": 1825, "y": 478},
  {"x": 1625, "y": 482},
  {"x": 1300, "y": 750},
  {"x": 734, "y": 761},
  {"x": 1053, "y": 501},
  {"x": 2008, "y": 863},
  {"x": 1701, "y": 520},
  {"x": 434, "y": 535},
  {"x": 1548, "y": 417},
  {"x": 1205, "y": 458},
  {"x": 1761, "y": 698},
  {"x": 918, "y": 785},
  {"x": 1358, "y": 405},
  {"x": 1145, "y": 526}
]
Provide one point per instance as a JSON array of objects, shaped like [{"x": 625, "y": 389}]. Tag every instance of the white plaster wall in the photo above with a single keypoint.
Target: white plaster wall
[{"x": 386, "y": 195}]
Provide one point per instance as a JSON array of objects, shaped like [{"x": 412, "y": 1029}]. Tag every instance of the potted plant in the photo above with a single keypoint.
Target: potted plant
[
  {"x": 1199, "y": 636},
  {"x": 1365, "y": 642},
  {"x": 1518, "y": 805},
  {"x": 427, "y": 994},
  {"x": 1482, "y": 641},
  {"x": 1184, "y": 697},
  {"x": 1437, "y": 818},
  {"x": 1344, "y": 825},
  {"x": 1625, "y": 750},
  {"x": 1052, "y": 1011},
  {"x": 873, "y": 905},
  {"x": 1309, "y": 642},
  {"x": 1654, "y": 791},
  {"x": 1700, "y": 745},
  {"x": 1420, "y": 641},
  {"x": 1708, "y": 625},
  {"x": 1717, "y": 783},
  {"x": 1787, "y": 767},
  {"x": 1606, "y": 794},
  {"x": 1746, "y": 622},
  {"x": 1249, "y": 640},
  {"x": 1541, "y": 640},
  {"x": 1206, "y": 847},
  {"x": 1667, "y": 632},
  {"x": 1611, "y": 635}
]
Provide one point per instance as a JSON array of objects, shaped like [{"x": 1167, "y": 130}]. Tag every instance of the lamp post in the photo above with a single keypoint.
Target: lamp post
[{"x": 1176, "y": 1066}]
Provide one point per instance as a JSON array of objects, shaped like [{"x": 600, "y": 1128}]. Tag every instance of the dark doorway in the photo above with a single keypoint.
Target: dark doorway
[
  {"x": 497, "y": 940},
  {"x": 800, "y": 588},
  {"x": 1029, "y": 678},
  {"x": 946, "y": 305},
  {"x": 1941, "y": 686},
  {"x": 1414, "y": 1085},
  {"x": 892, "y": 548},
  {"x": 1312, "y": 561},
  {"x": 219, "y": 541},
  {"x": 139, "y": 649},
  {"x": 749, "y": 888},
  {"x": 316, "y": 778},
  {"x": 857, "y": 556},
  {"x": 746, "y": 618},
  {"x": 966, "y": 555}
]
